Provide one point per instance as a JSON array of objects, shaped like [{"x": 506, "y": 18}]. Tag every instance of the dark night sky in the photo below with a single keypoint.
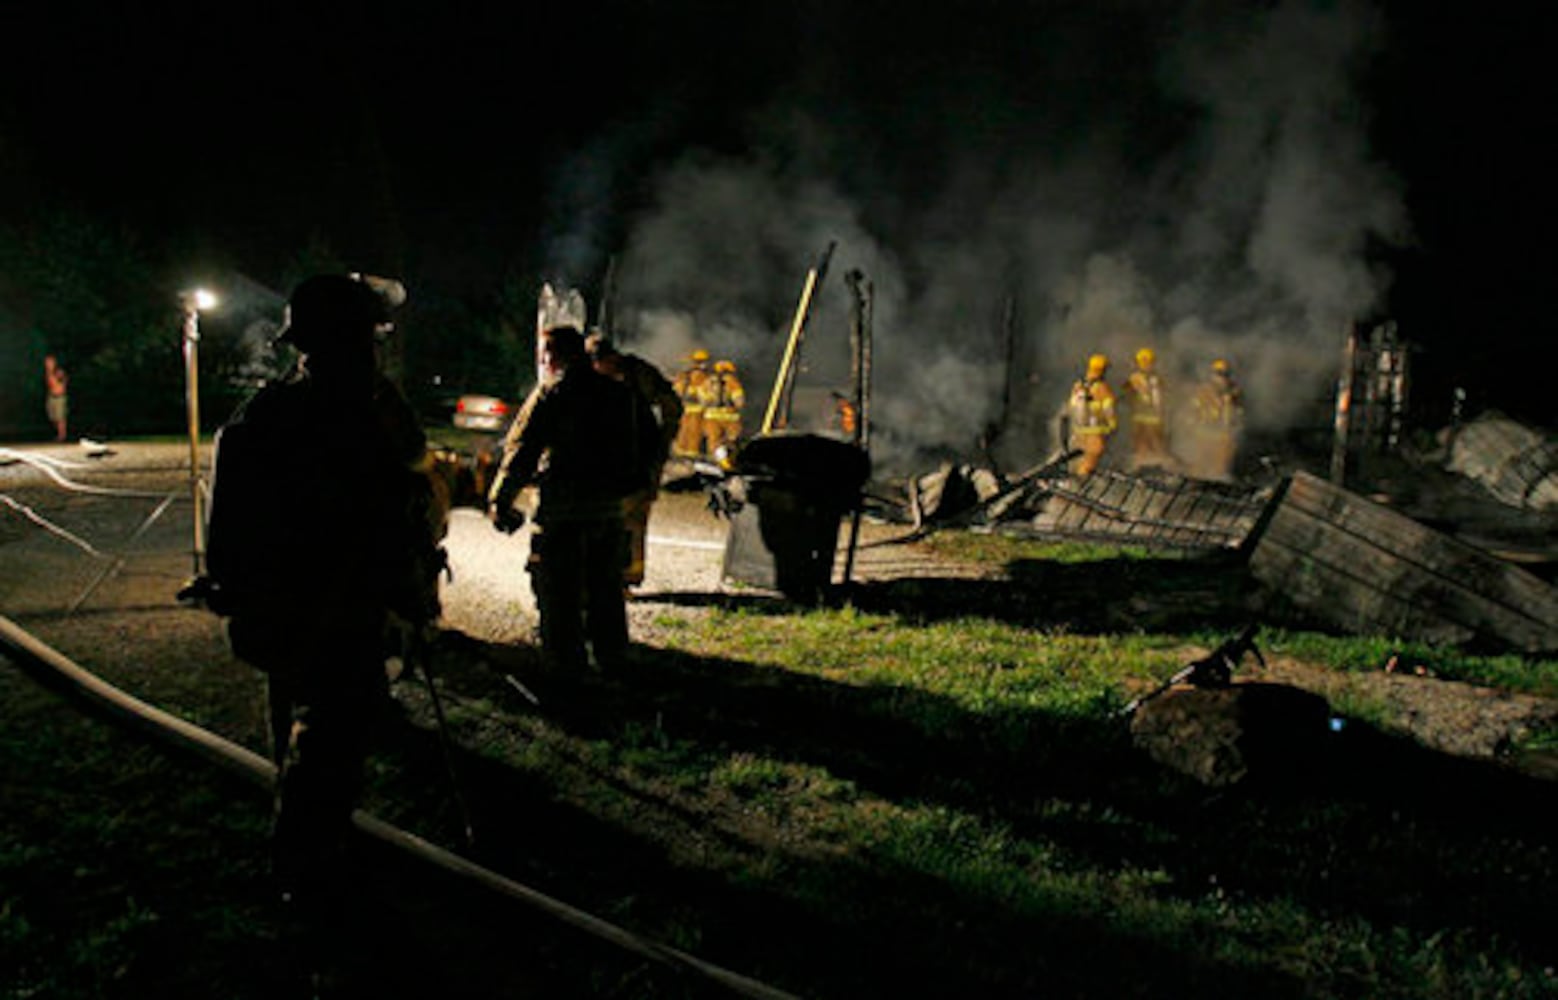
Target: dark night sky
[
  {"x": 456, "y": 146},
  {"x": 426, "y": 134}
]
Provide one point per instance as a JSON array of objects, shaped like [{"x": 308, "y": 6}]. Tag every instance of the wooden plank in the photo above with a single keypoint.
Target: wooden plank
[
  {"x": 1195, "y": 513},
  {"x": 1234, "y": 518},
  {"x": 1438, "y": 553},
  {"x": 1373, "y": 591},
  {"x": 1089, "y": 491},
  {"x": 1180, "y": 507},
  {"x": 1477, "y": 581},
  {"x": 1182, "y": 503},
  {"x": 1110, "y": 491},
  {"x": 1158, "y": 498},
  {"x": 1132, "y": 505},
  {"x": 1367, "y": 568},
  {"x": 1516, "y": 463},
  {"x": 1150, "y": 508},
  {"x": 1181, "y": 512},
  {"x": 1092, "y": 492},
  {"x": 1071, "y": 515}
]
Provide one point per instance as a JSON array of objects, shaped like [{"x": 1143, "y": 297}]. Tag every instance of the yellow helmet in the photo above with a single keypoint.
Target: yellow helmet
[
  {"x": 724, "y": 366},
  {"x": 1220, "y": 366},
  {"x": 1097, "y": 365},
  {"x": 699, "y": 355},
  {"x": 1145, "y": 358}
]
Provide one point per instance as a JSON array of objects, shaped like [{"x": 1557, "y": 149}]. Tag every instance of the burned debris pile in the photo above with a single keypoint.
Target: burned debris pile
[
  {"x": 1393, "y": 542},
  {"x": 1419, "y": 557},
  {"x": 1363, "y": 567},
  {"x": 1154, "y": 508},
  {"x": 1516, "y": 464}
]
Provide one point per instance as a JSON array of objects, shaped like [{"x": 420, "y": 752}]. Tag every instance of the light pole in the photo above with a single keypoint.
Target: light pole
[{"x": 193, "y": 302}]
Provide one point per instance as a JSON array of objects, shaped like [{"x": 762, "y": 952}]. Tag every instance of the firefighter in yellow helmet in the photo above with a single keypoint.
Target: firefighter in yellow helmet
[
  {"x": 1142, "y": 396},
  {"x": 1218, "y": 421},
  {"x": 1092, "y": 416},
  {"x": 688, "y": 384},
  {"x": 723, "y": 399}
]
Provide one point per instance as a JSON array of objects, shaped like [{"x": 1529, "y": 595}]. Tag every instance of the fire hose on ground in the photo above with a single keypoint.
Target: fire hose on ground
[{"x": 46, "y": 663}]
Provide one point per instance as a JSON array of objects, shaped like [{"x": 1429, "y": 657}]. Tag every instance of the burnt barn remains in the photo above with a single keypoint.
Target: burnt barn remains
[
  {"x": 1372, "y": 524},
  {"x": 1370, "y": 518},
  {"x": 1443, "y": 538}
]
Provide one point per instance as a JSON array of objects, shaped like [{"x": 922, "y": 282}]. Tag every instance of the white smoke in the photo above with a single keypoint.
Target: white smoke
[{"x": 1243, "y": 232}]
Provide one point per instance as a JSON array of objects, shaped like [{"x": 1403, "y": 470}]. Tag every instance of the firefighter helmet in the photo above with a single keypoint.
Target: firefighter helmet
[
  {"x": 1097, "y": 365},
  {"x": 331, "y": 311},
  {"x": 565, "y": 343},
  {"x": 1145, "y": 358},
  {"x": 724, "y": 366},
  {"x": 699, "y": 356},
  {"x": 1220, "y": 366}
]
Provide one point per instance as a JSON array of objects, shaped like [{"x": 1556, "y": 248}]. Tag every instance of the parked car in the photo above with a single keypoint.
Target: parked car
[{"x": 477, "y": 412}]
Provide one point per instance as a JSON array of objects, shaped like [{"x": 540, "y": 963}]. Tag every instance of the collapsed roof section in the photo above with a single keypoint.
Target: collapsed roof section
[
  {"x": 1515, "y": 463},
  {"x": 1321, "y": 554},
  {"x": 1363, "y": 567},
  {"x": 1161, "y": 510}
]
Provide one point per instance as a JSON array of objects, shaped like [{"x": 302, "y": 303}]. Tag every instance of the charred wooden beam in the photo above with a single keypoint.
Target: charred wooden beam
[{"x": 1364, "y": 568}]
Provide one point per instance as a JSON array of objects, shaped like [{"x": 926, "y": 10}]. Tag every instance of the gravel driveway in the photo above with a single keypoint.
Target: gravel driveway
[{"x": 125, "y": 516}]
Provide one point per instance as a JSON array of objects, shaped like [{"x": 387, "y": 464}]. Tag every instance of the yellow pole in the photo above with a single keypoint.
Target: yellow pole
[
  {"x": 192, "y": 405},
  {"x": 789, "y": 349}
]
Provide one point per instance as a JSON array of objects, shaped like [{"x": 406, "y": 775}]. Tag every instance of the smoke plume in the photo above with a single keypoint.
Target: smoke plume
[{"x": 1204, "y": 187}]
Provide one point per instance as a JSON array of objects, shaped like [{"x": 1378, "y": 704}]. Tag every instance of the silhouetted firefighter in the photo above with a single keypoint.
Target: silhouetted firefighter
[{"x": 324, "y": 525}]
